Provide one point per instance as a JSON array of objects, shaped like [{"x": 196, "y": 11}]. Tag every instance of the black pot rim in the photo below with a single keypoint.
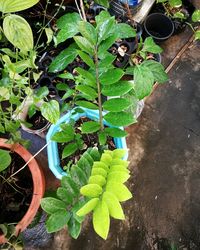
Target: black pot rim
[{"x": 159, "y": 38}]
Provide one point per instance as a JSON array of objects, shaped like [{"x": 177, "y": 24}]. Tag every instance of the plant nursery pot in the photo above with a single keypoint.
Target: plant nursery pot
[
  {"x": 52, "y": 148},
  {"x": 38, "y": 187},
  {"x": 158, "y": 26}
]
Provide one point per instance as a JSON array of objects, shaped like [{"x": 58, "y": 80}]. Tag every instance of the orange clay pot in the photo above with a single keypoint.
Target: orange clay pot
[{"x": 38, "y": 187}]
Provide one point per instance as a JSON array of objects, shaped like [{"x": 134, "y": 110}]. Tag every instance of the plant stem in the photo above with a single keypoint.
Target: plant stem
[
  {"x": 83, "y": 10},
  {"x": 99, "y": 89},
  {"x": 30, "y": 160}
]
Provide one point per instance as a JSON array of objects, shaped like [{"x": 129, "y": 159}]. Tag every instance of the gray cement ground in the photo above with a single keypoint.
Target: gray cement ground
[{"x": 165, "y": 165}]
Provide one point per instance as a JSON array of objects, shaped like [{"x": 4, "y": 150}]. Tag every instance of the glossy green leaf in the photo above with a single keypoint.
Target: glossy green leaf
[
  {"x": 105, "y": 29},
  {"x": 119, "y": 190},
  {"x": 116, "y": 132},
  {"x": 106, "y": 44},
  {"x": 8, "y": 6},
  {"x": 104, "y": 3},
  {"x": 51, "y": 111},
  {"x": 106, "y": 158},
  {"x": 66, "y": 135},
  {"x": 68, "y": 25},
  {"x": 84, "y": 44},
  {"x": 144, "y": 80},
  {"x": 88, "y": 105},
  {"x": 119, "y": 176},
  {"x": 89, "y": 158},
  {"x": 114, "y": 207},
  {"x": 119, "y": 153},
  {"x": 74, "y": 228},
  {"x": 87, "y": 59},
  {"x": 61, "y": 61},
  {"x": 88, "y": 207},
  {"x": 57, "y": 221},
  {"x": 101, "y": 220},
  {"x": 111, "y": 76},
  {"x": 175, "y": 3},
  {"x": 70, "y": 185},
  {"x": 97, "y": 179},
  {"x": 88, "y": 31},
  {"x": 117, "y": 89},
  {"x": 51, "y": 205},
  {"x": 197, "y": 35},
  {"x": 69, "y": 149},
  {"x": 84, "y": 164},
  {"x": 120, "y": 118},
  {"x": 90, "y": 127},
  {"x": 157, "y": 70},
  {"x": 5, "y": 159},
  {"x": 78, "y": 176},
  {"x": 89, "y": 78},
  {"x": 18, "y": 32},
  {"x": 64, "y": 195},
  {"x": 102, "y": 136},
  {"x": 117, "y": 104},
  {"x": 124, "y": 31},
  {"x": 196, "y": 16},
  {"x": 94, "y": 153},
  {"x": 151, "y": 46},
  {"x": 99, "y": 171},
  {"x": 87, "y": 91},
  {"x": 49, "y": 35},
  {"x": 118, "y": 168},
  {"x": 104, "y": 166},
  {"x": 91, "y": 190},
  {"x": 119, "y": 162}
]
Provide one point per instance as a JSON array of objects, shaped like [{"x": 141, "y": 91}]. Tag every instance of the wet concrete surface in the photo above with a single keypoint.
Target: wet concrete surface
[{"x": 165, "y": 172}]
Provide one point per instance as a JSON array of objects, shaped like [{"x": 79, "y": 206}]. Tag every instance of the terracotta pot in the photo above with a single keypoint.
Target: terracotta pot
[{"x": 38, "y": 187}]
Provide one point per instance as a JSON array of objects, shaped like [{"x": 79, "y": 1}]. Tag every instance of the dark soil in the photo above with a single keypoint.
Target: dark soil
[
  {"x": 90, "y": 140},
  {"x": 37, "y": 121},
  {"x": 16, "y": 194}
]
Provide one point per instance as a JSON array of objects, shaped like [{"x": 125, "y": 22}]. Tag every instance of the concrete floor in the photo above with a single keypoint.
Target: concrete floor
[{"x": 165, "y": 165}]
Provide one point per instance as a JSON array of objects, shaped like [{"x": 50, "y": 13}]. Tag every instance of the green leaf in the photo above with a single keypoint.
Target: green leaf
[
  {"x": 94, "y": 153},
  {"x": 76, "y": 206},
  {"x": 116, "y": 132},
  {"x": 157, "y": 70},
  {"x": 119, "y": 118},
  {"x": 78, "y": 176},
  {"x": 69, "y": 149},
  {"x": 196, "y": 16},
  {"x": 70, "y": 185},
  {"x": 197, "y": 35},
  {"x": 91, "y": 190},
  {"x": 97, "y": 179},
  {"x": 102, "y": 137},
  {"x": 118, "y": 176},
  {"x": 114, "y": 207},
  {"x": 87, "y": 91},
  {"x": 74, "y": 228},
  {"x": 49, "y": 34},
  {"x": 117, "y": 104},
  {"x": 119, "y": 162},
  {"x": 90, "y": 127},
  {"x": 86, "y": 104},
  {"x": 119, "y": 168},
  {"x": 106, "y": 63},
  {"x": 124, "y": 31},
  {"x": 106, "y": 158},
  {"x": 119, "y": 153},
  {"x": 106, "y": 44},
  {"x": 41, "y": 92},
  {"x": 175, "y": 3},
  {"x": 101, "y": 18},
  {"x": 100, "y": 165},
  {"x": 144, "y": 80},
  {"x": 88, "y": 31},
  {"x": 104, "y": 3},
  {"x": 84, "y": 164},
  {"x": 89, "y": 158},
  {"x": 51, "y": 205},
  {"x": 117, "y": 89},
  {"x": 51, "y": 111},
  {"x": 57, "y": 221},
  {"x": 87, "y": 59},
  {"x": 88, "y": 207},
  {"x": 119, "y": 190},
  {"x": 101, "y": 220},
  {"x": 111, "y": 76},
  {"x": 64, "y": 195},
  {"x": 5, "y": 159},
  {"x": 89, "y": 79},
  {"x": 68, "y": 25},
  {"x": 61, "y": 61},
  {"x": 99, "y": 171},
  {"x": 66, "y": 135},
  {"x": 105, "y": 29},
  {"x": 18, "y": 32},
  {"x": 84, "y": 44},
  {"x": 180, "y": 15},
  {"x": 151, "y": 46},
  {"x": 8, "y": 6}
]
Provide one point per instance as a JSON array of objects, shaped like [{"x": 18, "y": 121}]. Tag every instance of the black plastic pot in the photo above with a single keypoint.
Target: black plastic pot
[{"x": 158, "y": 26}]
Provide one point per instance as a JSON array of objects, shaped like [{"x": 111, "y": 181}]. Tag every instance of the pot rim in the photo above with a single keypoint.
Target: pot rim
[{"x": 38, "y": 186}]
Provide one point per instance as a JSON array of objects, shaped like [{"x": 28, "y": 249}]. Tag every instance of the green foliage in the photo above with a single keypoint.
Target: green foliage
[
  {"x": 104, "y": 199},
  {"x": 196, "y": 16},
  {"x": 51, "y": 111},
  {"x": 62, "y": 210},
  {"x": 5, "y": 159},
  {"x": 8, "y": 6}
]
